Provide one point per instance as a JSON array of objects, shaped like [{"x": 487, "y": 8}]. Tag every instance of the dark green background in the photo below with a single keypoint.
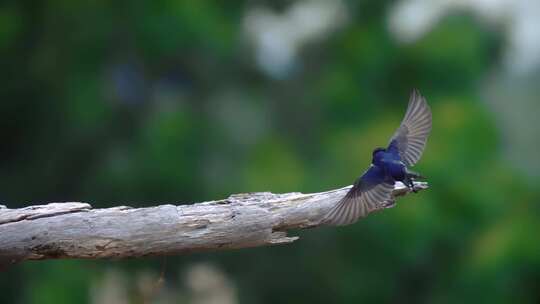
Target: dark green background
[{"x": 142, "y": 103}]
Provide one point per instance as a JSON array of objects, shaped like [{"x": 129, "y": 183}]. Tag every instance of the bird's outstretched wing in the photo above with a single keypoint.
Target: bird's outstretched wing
[
  {"x": 370, "y": 192},
  {"x": 411, "y": 136}
]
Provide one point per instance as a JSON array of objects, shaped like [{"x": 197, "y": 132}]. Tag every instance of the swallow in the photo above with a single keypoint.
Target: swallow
[{"x": 373, "y": 189}]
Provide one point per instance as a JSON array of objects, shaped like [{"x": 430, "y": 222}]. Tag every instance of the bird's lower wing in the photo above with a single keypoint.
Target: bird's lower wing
[{"x": 359, "y": 202}]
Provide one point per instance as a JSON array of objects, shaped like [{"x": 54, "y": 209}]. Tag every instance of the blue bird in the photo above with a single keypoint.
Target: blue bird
[{"x": 374, "y": 188}]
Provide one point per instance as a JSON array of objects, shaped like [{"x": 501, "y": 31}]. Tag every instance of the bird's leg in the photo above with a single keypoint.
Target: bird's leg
[
  {"x": 410, "y": 177},
  {"x": 410, "y": 184}
]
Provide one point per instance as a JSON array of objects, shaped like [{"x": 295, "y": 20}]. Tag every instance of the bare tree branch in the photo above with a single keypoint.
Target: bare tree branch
[{"x": 76, "y": 230}]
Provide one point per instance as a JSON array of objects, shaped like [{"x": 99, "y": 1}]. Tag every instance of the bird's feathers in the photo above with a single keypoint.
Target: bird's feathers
[
  {"x": 410, "y": 138},
  {"x": 373, "y": 190},
  {"x": 369, "y": 192}
]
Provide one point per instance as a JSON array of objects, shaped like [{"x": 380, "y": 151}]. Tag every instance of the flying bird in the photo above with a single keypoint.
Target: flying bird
[{"x": 374, "y": 188}]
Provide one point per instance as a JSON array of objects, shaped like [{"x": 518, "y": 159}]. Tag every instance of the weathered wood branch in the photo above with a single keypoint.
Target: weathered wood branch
[{"x": 76, "y": 230}]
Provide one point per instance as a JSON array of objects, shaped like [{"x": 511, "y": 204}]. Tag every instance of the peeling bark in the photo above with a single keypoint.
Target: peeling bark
[{"x": 76, "y": 230}]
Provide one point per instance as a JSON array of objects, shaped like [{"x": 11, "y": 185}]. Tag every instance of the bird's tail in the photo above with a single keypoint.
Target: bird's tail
[{"x": 414, "y": 175}]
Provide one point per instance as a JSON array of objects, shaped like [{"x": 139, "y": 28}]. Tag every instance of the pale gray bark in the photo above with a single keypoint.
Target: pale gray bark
[{"x": 76, "y": 230}]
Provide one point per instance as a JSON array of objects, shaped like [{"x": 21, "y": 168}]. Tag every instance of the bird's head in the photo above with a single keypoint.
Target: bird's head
[{"x": 376, "y": 152}]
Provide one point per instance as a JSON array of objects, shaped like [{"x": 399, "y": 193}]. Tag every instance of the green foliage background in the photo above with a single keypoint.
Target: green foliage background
[{"x": 140, "y": 103}]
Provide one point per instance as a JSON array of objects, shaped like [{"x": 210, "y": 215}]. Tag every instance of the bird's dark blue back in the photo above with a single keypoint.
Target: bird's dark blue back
[{"x": 390, "y": 164}]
